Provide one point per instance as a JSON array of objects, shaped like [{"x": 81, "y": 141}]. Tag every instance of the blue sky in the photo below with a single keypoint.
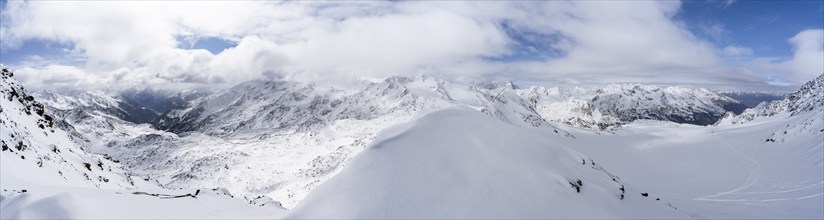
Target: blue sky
[
  {"x": 766, "y": 45},
  {"x": 762, "y": 25}
]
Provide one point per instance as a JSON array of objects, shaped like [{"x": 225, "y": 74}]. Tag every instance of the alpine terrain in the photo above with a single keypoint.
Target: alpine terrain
[{"x": 403, "y": 147}]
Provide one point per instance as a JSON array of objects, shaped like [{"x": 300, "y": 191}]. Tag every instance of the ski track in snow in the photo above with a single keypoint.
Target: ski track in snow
[{"x": 753, "y": 178}]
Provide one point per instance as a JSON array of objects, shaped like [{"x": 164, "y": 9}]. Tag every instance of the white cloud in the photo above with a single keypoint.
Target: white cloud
[
  {"x": 56, "y": 76},
  {"x": 806, "y": 63},
  {"x": 138, "y": 42},
  {"x": 737, "y": 51},
  {"x": 373, "y": 38},
  {"x": 619, "y": 42},
  {"x": 398, "y": 44}
]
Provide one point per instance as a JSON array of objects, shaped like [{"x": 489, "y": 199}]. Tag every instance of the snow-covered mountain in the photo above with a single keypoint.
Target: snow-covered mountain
[
  {"x": 283, "y": 140},
  {"x": 75, "y": 105},
  {"x": 227, "y": 139},
  {"x": 284, "y": 105},
  {"x": 624, "y": 103},
  {"x": 291, "y": 105},
  {"x": 680, "y": 105},
  {"x": 805, "y": 103}
]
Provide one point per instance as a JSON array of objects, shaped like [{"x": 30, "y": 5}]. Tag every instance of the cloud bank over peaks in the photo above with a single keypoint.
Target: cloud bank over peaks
[{"x": 146, "y": 43}]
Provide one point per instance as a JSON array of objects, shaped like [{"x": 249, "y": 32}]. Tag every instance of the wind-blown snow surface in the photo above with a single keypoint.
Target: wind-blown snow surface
[{"x": 459, "y": 163}]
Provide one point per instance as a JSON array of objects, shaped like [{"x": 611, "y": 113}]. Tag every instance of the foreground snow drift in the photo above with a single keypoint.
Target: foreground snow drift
[{"x": 460, "y": 163}]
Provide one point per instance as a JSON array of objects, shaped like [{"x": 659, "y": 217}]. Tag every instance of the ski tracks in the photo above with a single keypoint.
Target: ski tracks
[{"x": 753, "y": 178}]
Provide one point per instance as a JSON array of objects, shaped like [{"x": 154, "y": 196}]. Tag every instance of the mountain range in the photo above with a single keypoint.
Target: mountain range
[{"x": 295, "y": 145}]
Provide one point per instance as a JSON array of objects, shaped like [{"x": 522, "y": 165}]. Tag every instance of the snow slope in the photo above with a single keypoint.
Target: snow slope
[
  {"x": 766, "y": 163},
  {"x": 726, "y": 171},
  {"x": 459, "y": 163}
]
